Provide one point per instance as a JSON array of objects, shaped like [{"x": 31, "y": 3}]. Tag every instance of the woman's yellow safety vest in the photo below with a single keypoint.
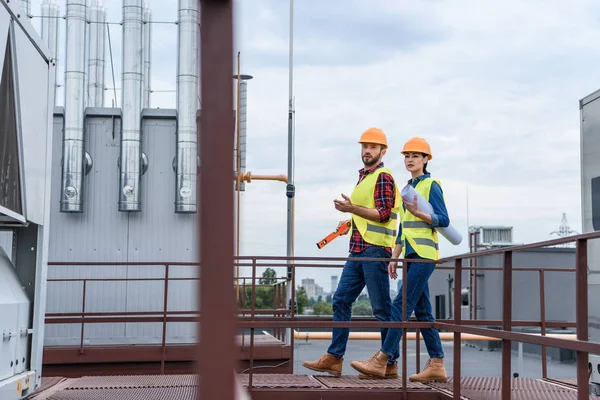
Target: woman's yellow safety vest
[
  {"x": 376, "y": 233},
  {"x": 421, "y": 236}
]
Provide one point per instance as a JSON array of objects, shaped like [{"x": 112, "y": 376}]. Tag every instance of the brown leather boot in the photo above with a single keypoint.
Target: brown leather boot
[
  {"x": 391, "y": 372},
  {"x": 326, "y": 363},
  {"x": 434, "y": 371},
  {"x": 376, "y": 365}
]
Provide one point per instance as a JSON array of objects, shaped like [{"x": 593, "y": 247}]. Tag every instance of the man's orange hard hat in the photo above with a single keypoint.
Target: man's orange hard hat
[
  {"x": 374, "y": 135},
  {"x": 417, "y": 145}
]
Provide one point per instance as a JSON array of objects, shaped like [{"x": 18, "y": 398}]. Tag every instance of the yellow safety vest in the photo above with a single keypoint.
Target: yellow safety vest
[
  {"x": 376, "y": 233},
  {"x": 421, "y": 236}
]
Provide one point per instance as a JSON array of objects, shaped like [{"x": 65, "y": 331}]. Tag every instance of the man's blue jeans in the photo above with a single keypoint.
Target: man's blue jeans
[
  {"x": 355, "y": 275},
  {"x": 417, "y": 297}
]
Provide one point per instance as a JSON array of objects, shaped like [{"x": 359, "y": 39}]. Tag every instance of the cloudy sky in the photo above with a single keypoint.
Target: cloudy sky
[{"x": 493, "y": 85}]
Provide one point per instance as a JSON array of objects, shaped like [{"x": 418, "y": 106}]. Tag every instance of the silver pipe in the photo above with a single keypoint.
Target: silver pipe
[
  {"x": 187, "y": 108},
  {"x": 73, "y": 140},
  {"x": 243, "y": 119},
  {"x": 290, "y": 190},
  {"x": 131, "y": 104},
  {"x": 26, "y": 6},
  {"x": 50, "y": 15},
  {"x": 97, "y": 53},
  {"x": 147, "y": 56}
]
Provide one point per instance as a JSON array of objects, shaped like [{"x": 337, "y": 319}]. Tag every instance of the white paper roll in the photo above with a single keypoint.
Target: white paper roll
[{"x": 408, "y": 193}]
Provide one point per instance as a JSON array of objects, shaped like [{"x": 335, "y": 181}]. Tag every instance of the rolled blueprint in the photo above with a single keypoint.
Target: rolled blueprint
[{"x": 408, "y": 193}]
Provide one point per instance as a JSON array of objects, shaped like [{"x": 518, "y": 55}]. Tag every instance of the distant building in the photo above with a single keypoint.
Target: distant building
[
  {"x": 334, "y": 283},
  {"x": 313, "y": 291}
]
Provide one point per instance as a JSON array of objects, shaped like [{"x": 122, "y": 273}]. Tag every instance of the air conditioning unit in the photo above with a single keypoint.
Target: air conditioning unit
[{"x": 493, "y": 235}]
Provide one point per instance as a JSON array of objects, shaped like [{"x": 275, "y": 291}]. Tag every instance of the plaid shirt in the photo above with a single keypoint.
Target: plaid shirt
[{"x": 385, "y": 196}]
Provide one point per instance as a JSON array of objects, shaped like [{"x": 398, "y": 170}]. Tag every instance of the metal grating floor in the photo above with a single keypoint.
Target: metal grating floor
[
  {"x": 353, "y": 381},
  {"x": 521, "y": 389},
  {"x": 185, "y": 387}
]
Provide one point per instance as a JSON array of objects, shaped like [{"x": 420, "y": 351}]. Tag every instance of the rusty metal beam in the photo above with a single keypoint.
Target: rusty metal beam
[{"x": 216, "y": 351}]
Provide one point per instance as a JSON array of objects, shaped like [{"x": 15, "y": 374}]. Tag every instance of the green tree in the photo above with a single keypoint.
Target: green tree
[
  {"x": 301, "y": 299},
  {"x": 319, "y": 299},
  {"x": 264, "y": 297},
  {"x": 322, "y": 308},
  {"x": 329, "y": 299},
  {"x": 362, "y": 307},
  {"x": 269, "y": 277}
]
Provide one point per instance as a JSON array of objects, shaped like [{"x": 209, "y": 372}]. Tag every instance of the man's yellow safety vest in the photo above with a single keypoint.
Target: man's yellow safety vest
[
  {"x": 376, "y": 233},
  {"x": 421, "y": 236}
]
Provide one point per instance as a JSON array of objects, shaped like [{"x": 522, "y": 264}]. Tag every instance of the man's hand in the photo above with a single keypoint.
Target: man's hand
[
  {"x": 392, "y": 266},
  {"x": 344, "y": 231},
  {"x": 344, "y": 205},
  {"x": 412, "y": 207}
]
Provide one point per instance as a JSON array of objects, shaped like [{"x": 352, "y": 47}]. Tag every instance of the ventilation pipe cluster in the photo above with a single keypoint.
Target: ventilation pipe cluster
[
  {"x": 75, "y": 162},
  {"x": 97, "y": 31},
  {"x": 186, "y": 159},
  {"x": 130, "y": 162},
  {"x": 50, "y": 16}
]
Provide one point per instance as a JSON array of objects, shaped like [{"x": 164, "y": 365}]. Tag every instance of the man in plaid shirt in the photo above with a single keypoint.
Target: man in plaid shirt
[{"x": 374, "y": 206}]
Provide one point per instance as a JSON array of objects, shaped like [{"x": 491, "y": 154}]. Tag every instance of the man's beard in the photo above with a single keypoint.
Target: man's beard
[{"x": 372, "y": 161}]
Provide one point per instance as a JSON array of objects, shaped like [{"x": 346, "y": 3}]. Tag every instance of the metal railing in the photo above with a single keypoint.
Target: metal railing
[{"x": 281, "y": 317}]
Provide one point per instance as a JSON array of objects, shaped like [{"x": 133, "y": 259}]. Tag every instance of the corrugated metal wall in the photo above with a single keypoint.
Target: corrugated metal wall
[{"x": 102, "y": 233}]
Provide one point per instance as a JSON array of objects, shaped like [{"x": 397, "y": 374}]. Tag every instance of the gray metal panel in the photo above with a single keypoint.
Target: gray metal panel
[
  {"x": 103, "y": 233},
  {"x": 590, "y": 169},
  {"x": 159, "y": 234},
  {"x": 32, "y": 78},
  {"x": 99, "y": 234}
]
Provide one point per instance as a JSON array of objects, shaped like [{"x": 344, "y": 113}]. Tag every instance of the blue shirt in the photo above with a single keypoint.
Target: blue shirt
[{"x": 439, "y": 218}]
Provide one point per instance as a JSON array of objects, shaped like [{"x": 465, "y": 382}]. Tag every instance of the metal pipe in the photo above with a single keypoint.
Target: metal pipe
[
  {"x": 97, "y": 50},
  {"x": 248, "y": 177},
  {"x": 131, "y": 104},
  {"x": 147, "y": 55},
  {"x": 316, "y": 335},
  {"x": 506, "y": 324},
  {"x": 26, "y": 6},
  {"x": 458, "y": 321},
  {"x": 73, "y": 140},
  {"x": 50, "y": 15},
  {"x": 290, "y": 189},
  {"x": 217, "y": 349},
  {"x": 187, "y": 108},
  {"x": 238, "y": 186}
]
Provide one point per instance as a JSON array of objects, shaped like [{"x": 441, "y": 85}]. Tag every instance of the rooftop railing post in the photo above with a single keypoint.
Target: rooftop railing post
[
  {"x": 216, "y": 356},
  {"x": 506, "y": 324},
  {"x": 404, "y": 319},
  {"x": 457, "y": 322},
  {"x": 581, "y": 305}
]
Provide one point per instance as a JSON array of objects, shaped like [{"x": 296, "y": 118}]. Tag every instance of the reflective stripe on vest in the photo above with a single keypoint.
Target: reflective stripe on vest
[
  {"x": 376, "y": 233},
  {"x": 422, "y": 237}
]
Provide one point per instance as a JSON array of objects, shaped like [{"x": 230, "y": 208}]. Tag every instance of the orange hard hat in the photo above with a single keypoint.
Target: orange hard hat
[
  {"x": 374, "y": 135},
  {"x": 417, "y": 145}
]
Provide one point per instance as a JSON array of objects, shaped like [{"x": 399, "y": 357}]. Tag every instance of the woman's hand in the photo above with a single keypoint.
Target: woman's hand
[
  {"x": 392, "y": 266},
  {"x": 412, "y": 207}
]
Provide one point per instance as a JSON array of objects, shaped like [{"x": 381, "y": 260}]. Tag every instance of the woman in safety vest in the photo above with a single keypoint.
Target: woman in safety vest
[{"x": 417, "y": 240}]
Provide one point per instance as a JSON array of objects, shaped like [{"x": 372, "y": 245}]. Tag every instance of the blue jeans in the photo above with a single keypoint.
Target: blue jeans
[
  {"x": 355, "y": 275},
  {"x": 417, "y": 297}
]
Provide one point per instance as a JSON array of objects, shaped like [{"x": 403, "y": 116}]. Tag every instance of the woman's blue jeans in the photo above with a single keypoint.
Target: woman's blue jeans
[{"x": 417, "y": 297}]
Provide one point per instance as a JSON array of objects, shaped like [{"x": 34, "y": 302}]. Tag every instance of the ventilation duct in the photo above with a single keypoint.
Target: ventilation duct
[
  {"x": 131, "y": 105},
  {"x": 50, "y": 16},
  {"x": 147, "y": 55},
  {"x": 74, "y": 158},
  {"x": 97, "y": 52},
  {"x": 186, "y": 162}
]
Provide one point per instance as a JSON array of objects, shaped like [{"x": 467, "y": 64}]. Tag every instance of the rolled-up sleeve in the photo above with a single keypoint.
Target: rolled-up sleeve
[
  {"x": 439, "y": 217},
  {"x": 385, "y": 196}
]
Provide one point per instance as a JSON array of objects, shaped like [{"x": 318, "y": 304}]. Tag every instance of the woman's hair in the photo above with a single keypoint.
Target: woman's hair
[{"x": 425, "y": 166}]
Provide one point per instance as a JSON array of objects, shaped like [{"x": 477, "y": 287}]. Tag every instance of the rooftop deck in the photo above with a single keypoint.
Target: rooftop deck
[{"x": 291, "y": 387}]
